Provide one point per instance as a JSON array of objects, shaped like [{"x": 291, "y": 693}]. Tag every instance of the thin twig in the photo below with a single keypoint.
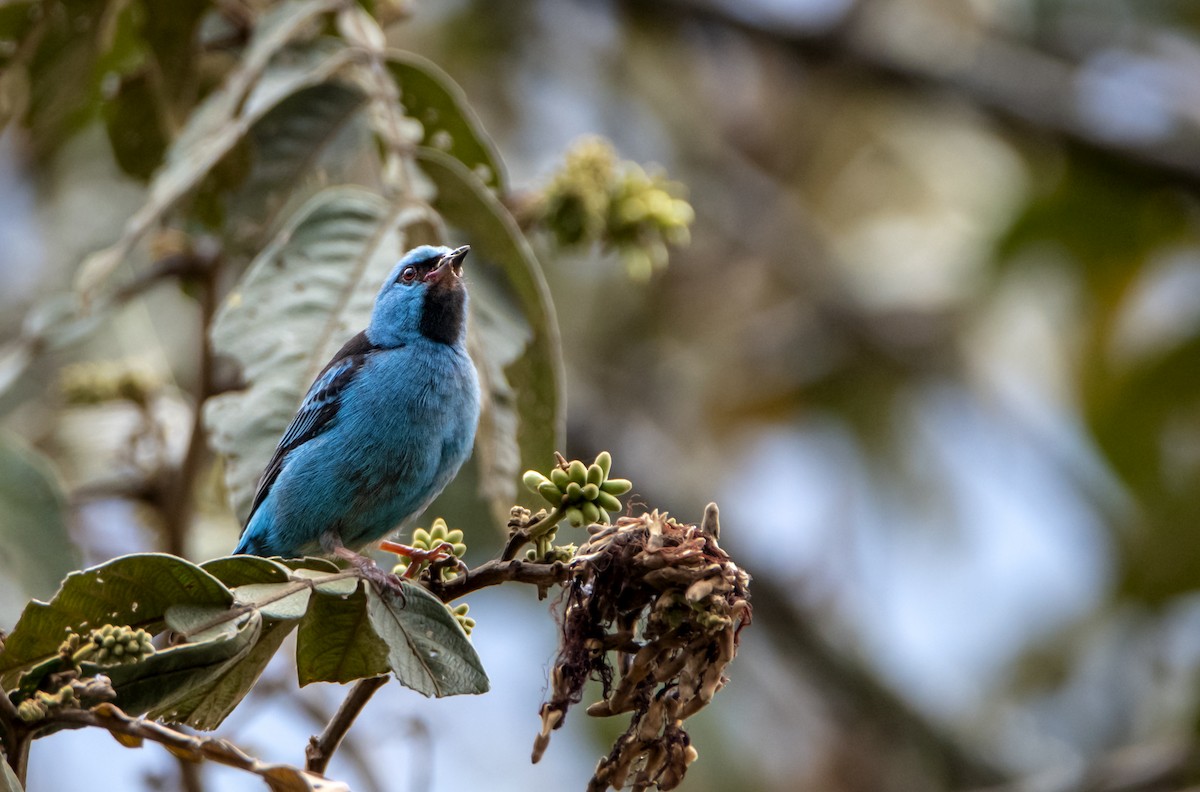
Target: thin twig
[
  {"x": 523, "y": 536},
  {"x": 131, "y": 731},
  {"x": 497, "y": 571},
  {"x": 177, "y": 507},
  {"x": 320, "y": 749}
]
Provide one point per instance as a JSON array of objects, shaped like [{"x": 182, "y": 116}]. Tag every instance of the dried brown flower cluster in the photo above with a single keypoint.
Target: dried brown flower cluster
[{"x": 668, "y": 603}]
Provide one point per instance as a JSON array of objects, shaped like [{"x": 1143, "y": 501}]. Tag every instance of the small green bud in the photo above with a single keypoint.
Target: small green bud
[
  {"x": 574, "y": 492},
  {"x": 604, "y": 462},
  {"x": 560, "y": 478},
  {"x": 590, "y": 492},
  {"x": 533, "y": 480},
  {"x": 455, "y": 536},
  {"x": 617, "y": 486},
  {"x": 577, "y": 472},
  {"x": 460, "y": 549},
  {"x": 575, "y": 516},
  {"x": 551, "y": 493},
  {"x": 591, "y": 512},
  {"x": 595, "y": 474},
  {"x": 608, "y": 503}
]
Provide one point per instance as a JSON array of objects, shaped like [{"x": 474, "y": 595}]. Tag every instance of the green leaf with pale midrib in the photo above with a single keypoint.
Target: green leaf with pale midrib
[
  {"x": 133, "y": 590},
  {"x": 427, "y": 649},
  {"x": 172, "y": 674},
  {"x": 336, "y": 642},
  {"x": 207, "y": 706},
  {"x": 221, "y": 121}
]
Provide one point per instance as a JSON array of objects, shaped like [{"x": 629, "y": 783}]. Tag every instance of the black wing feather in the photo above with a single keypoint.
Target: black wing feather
[{"x": 319, "y": 408}]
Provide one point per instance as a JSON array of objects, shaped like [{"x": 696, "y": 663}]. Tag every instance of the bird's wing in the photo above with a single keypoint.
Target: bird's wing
[{"x": 318, "y": 409}]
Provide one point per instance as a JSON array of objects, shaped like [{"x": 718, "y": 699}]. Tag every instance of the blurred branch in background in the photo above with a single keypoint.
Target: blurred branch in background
[{"x": 1120, "y": 85}]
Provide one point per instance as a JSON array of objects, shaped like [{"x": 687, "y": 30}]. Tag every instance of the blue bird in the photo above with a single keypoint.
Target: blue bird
[{"x": 383, "y": 429}]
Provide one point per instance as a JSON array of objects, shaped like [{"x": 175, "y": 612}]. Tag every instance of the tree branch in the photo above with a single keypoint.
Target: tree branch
[
  {"x": 497, "y": 571},
  {"x": 132, "y": 731},
  {"x": 320, "y": 749},
  {"x": 201, "y": 266},
  {"x": 1002, "y": 74}
]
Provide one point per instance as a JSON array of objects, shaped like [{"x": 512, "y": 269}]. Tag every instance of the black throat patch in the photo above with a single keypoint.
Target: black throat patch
[{"x": 442, "y": 315}]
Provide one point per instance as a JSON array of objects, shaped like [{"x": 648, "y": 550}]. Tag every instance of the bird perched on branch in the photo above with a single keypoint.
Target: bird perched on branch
[{"x": 383, "y": 429}]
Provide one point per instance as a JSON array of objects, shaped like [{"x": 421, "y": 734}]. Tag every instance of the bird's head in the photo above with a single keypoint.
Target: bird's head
[{"x": 424, "y": 295}]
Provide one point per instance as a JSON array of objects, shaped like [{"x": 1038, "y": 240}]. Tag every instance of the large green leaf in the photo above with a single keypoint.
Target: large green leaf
[
  {"x": 134, "y": 590},
  {"x": 313, "y": 138},
  {"x": 242, "y": 570},
  {"x": 447, "y": 120},
  {"x": 224, "y": 119},
  {"x": 35, "y": 548},
  {"x": 175, "y": 673},
  {"x": 301, "y": 299},
  {"x": 336, "y": 642},
  {"x": 514, "y": 333},
  {"x": 207, "y": 706},
  {"x": 426, "y": 648}
]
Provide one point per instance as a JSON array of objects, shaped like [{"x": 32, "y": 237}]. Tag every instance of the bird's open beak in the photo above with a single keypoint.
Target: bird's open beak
[{"x": 450, "y": 263}]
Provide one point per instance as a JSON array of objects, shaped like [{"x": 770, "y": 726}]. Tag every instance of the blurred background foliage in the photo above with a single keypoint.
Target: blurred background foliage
[{"x": 934, "y": 348}]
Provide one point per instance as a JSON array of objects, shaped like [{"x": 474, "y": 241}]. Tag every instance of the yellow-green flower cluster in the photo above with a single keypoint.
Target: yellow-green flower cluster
[
  {"x": 598, "y": 199},
  {"x": 40, "y": 703},
  {"x": 438, "y": 535},
  {"x": 585, "y": 493},
  {"x": 460, "y": 615},
  {"x": 114, "y": 645}
]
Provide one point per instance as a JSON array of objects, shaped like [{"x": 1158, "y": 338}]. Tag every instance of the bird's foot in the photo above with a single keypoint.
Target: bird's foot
[{"x": 369, "y": 570}]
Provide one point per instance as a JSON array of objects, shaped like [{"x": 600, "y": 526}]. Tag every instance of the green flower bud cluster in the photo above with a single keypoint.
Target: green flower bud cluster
[
  {"x": 585, "y": 493},
  {"x": 114, "y": 645},
  {"x": 105, "y": 381},
  {"x": 40, "y": 703},
  {"x": 460, "y": 615},
  {"x": 438, "y": 535},
  {"x": 598, "y": 199}
]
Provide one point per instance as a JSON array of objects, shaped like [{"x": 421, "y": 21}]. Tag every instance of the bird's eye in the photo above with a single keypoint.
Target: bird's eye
[{"x": 408, "y": 274}]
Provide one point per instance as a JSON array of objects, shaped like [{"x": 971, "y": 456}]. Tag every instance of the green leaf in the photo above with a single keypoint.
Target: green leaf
[
  {"x": 208, "y": 705},
  {"x": 275, "y": 600},
  {"x": 221, "y": 121},
  {"x": 427, "y": 648},
  {"x": 514, "y": 333},
  {"x": 135, "y": 590},
  {"x": 173, "y": 674},
  {"x": 308, "y": 292},
  {"x": 242, "y": 570},
  {"x": 35, "y": 546},
  {"x": 336, "y": 642},
  {"x": 430, "y": 96},
  {"x": 341, "y": 584},
  {"x": 315, "y": 137},
  {"x": 314, "y": 563}
]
